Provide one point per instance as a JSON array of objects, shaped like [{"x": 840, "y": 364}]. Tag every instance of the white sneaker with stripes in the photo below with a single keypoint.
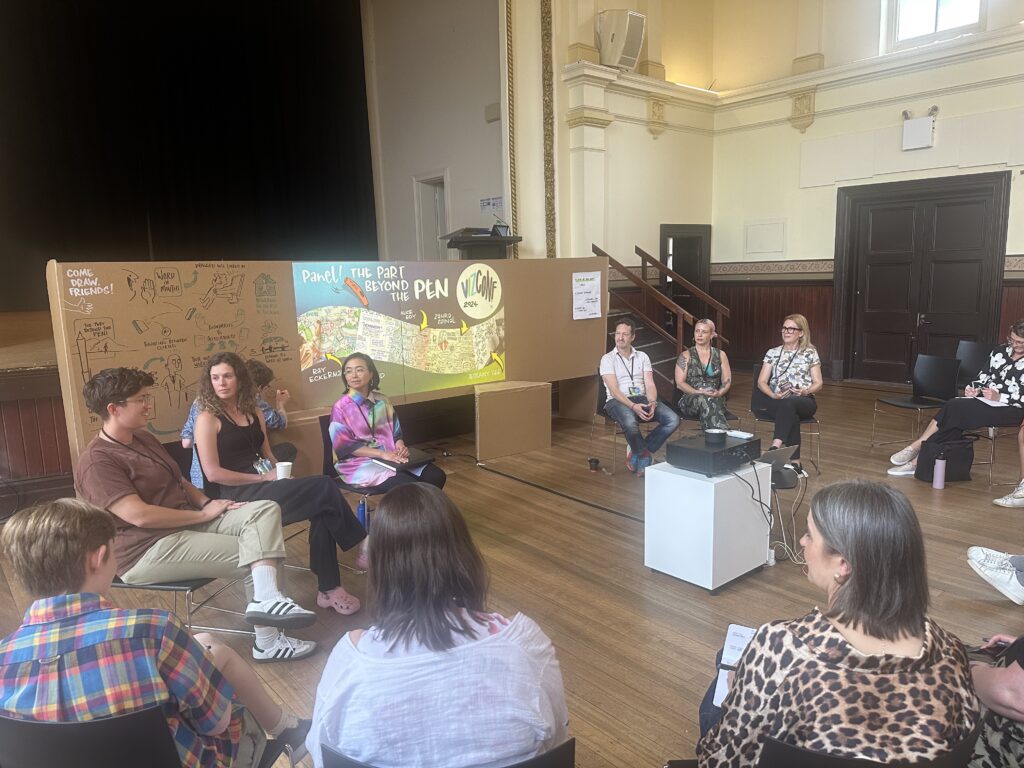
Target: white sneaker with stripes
[
  {"x": 279, "y": 612},
  {"x": 283, "y": 648}
]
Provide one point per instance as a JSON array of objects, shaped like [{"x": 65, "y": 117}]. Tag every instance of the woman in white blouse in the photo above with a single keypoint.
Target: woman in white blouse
[
  {"x": 437, "y": 680},
  {"x": 790, "y": 375}
]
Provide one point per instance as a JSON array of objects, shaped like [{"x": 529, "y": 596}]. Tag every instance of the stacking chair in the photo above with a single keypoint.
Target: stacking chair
[
  {"x": 562, "y": 756},
  {"x": 776, "y": 754},
  {"x": 934, "y": 381},
  {"x": 973, "y": 357},
  {"x": 139, "y": 738},
  {"x": 809, "y": 425},
  {"x": 188, "y": 588},
  {"x": 331, "y": 472}
]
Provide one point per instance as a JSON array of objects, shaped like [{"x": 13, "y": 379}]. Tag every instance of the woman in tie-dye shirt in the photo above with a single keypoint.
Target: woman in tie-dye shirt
[{"x": 364, "y": 427}]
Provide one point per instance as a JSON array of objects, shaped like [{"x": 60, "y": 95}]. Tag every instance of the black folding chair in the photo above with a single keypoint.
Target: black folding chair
[
  {"x": 933, "y": 381},
  {"x": 973, "y": 357},
  {"x": 139, "y": 738},
  {"x": 562, "y": 756},
  {"x": 776, "y": 754},
  {"x": 188, "y": 588}
]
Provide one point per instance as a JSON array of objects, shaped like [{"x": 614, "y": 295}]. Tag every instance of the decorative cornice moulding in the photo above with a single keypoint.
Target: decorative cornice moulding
[
  {"x": 589, "y": 116},
  {"x": 788, "y": 267},
  {"x": 969, "y": 48}
]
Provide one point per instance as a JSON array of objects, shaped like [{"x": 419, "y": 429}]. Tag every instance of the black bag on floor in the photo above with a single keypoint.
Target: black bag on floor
[{"x": 959, "y": 457}]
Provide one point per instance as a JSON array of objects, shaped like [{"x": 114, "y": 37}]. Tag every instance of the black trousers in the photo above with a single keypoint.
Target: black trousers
[
  {"x": 787, "y": 413},
  {"x": 432, "y": 474},
  {"x": 317, "y": 499},
  {"x": 963, "y": 413}
]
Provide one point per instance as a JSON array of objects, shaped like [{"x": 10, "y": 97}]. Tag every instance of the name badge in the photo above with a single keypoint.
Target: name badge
[{"x": 634, "y": 392}]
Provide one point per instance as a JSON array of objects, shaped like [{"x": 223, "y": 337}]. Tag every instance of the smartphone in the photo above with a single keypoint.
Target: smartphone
[{"x": 977, "y": 386}]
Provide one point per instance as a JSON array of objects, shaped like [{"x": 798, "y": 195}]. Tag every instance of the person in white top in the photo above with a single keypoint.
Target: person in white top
[
  {"x": 437, "y": 680},
  {"x": 632, "y": 397}
]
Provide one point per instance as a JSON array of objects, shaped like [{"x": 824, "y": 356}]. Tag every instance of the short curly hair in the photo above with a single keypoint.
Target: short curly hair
[{"x": 113, "y": 385}]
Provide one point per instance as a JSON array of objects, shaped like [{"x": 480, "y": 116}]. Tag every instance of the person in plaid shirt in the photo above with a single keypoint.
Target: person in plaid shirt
[{"x": 77, "y": 657}]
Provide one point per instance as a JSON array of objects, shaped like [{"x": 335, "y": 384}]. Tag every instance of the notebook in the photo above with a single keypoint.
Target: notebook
[{"x": 417, "y": 458}]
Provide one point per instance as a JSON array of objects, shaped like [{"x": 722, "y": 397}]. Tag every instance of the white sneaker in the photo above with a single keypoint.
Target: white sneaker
[
  {"x": 1013, "y": 499},
  {"x": 279, "y": 612},
  {"x": 283, "y": 648},
  {"x": 907, "y": 470},
  {"x": 1002, "y": 578},
  {"x": 902, "y": 457},
  {"x": 992, "y": 558}
]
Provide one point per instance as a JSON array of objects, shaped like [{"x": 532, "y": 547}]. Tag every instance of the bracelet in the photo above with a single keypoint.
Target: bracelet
[{"x": 205, "y": 503}]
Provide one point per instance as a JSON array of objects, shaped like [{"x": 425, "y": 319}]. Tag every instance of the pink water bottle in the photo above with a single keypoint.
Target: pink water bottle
[{"x": 939, "y": 474}]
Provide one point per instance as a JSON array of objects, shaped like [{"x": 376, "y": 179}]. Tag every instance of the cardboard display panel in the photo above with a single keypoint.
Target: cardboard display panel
[
  {"x": 435, "y": 329},
  {"x": 512, "y": 417},
  {"x": 167, "y": 318}
]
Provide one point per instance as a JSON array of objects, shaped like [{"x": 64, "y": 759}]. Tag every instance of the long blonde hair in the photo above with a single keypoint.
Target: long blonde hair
[{"x": 805, "y": 340}]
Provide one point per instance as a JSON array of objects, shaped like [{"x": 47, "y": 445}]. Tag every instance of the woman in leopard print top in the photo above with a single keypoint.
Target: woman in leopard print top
[{"x": 868, "y": 677}]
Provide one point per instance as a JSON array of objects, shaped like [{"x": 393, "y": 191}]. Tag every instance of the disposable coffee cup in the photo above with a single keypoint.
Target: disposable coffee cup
[
  {"x": 284, "y": 469},
  {"x": 595, "y": 464}
]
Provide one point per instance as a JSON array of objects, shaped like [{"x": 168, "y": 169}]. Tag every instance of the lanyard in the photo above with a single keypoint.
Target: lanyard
[
  {"x": 632, "y": 362},
  {"x": 144, "y": 454},
  {"x": 370, "y": 423}
]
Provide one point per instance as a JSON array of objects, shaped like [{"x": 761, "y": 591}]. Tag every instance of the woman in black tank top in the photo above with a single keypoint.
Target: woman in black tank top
[{"x": 237, "y": 463}]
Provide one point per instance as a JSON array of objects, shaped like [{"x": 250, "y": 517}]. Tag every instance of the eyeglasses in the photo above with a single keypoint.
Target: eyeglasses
[
  {"x": 355, "y": 370},
  {"x": 144, "y": 399},
  {"x": 1015, "y": 342},
  {"x": 790, "y": 329}
]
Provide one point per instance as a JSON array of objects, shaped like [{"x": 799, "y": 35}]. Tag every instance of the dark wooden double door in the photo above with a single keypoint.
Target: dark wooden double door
[{"x": 927, "y": 271}]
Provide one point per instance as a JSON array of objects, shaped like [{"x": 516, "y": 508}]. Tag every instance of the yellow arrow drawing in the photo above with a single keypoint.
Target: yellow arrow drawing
[
  {"x": 498, "y": 360},
  {"x": 423, "y": 322},
  {"x": 464, "y": 328},
  {"x": 329, "y": 356}
]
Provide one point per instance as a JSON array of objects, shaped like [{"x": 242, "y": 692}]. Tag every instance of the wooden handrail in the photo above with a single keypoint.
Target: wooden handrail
[
  {"x": 653, "y": 326},
  {"x": 658, "y": 296},
  {"x": 697, "y": 292},
  {"x": 680, "y": 313},
  {"x": 643, "y": 285}
]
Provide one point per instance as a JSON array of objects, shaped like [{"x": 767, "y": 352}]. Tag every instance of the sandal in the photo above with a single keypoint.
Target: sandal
[{"x": 339, "y": 600}]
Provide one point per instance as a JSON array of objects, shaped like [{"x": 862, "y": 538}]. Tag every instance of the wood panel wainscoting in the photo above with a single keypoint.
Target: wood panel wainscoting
[
  {"x": 758, "y": 308},
  {"x": 35, "y": 462}
]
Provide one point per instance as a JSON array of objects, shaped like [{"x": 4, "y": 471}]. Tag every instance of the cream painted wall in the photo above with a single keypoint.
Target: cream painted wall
[
  {"x": 754, "y": 42},
  {"x": 765, "y": 169},
  {"x": 651, "y": 182},
  {"x": 688, "y": 41},
  {"x": 433, "y": 67}
]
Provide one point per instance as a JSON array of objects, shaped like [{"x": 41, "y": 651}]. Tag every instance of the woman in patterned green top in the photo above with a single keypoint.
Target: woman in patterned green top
[{"x": 703, "y": 376}]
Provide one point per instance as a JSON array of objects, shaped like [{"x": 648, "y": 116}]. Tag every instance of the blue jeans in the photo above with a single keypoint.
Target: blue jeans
[{"x": 665, "y": 417}]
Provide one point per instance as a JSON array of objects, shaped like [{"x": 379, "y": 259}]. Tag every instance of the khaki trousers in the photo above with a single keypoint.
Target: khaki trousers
[{"x": 222, "y": 549}]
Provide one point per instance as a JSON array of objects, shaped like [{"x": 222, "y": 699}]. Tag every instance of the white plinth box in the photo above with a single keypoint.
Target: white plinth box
[{"x": 705, "y": 530}]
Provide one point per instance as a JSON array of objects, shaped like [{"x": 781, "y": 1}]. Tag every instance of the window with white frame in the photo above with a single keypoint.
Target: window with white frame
[{"x": 913, "y": 22}]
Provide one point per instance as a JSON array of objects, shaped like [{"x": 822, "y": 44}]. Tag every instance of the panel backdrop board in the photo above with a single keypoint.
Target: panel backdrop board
[{"x": 435, "y": 329}]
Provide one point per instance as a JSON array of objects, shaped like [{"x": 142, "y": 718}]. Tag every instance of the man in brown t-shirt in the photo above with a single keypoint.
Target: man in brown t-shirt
[{"x": 167, "y": 530}]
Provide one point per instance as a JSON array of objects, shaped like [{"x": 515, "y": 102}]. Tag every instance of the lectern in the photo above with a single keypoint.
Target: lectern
[{"x": 476, "y": 243}]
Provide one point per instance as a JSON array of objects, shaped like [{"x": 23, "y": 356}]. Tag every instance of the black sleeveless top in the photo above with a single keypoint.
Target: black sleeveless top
[{"x": 238, "y": 447}]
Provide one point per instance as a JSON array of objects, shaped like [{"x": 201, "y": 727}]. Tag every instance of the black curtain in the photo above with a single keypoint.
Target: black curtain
[{"x": 180, "y": 130}]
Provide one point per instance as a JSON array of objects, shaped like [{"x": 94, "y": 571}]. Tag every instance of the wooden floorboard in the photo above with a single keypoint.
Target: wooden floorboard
[{"x": 636, "y": 647}]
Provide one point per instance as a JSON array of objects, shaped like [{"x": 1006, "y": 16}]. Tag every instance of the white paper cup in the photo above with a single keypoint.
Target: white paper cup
[{"x": 284, "y": 469}]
